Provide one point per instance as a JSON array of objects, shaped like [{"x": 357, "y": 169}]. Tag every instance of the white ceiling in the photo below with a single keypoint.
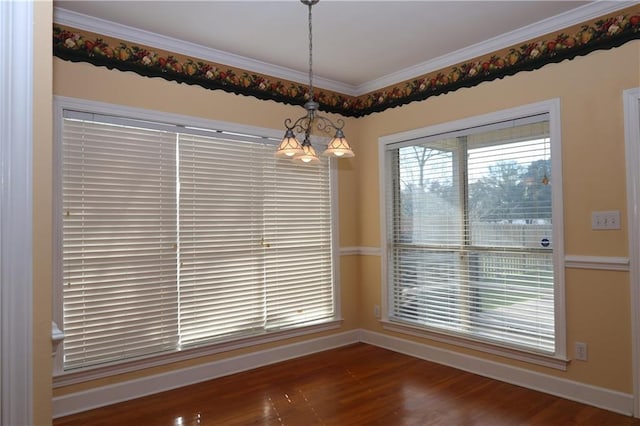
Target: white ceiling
[{"x": 358, "y": 46}]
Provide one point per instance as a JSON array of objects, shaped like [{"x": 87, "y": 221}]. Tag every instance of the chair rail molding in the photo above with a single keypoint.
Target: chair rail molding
[
  {"x": 606, "y": 263},
  {"x": 360, "y": 251}
]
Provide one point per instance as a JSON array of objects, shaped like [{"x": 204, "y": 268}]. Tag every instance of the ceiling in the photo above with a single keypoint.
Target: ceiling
[{"x": 358, "y": 46}]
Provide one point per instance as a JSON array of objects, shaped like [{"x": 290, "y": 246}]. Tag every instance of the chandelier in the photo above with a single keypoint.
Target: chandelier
[{"x": 290, "y": 147}]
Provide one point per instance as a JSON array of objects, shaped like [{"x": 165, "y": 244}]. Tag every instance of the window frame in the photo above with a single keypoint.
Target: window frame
[
  {"x": 63, "y": 378},
  {"x": 556, "y": 360}
]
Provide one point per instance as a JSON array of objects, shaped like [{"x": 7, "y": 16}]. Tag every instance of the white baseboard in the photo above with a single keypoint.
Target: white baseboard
[
  {"x": 106, "y": 395},
  {"x": 607, "y": 399},
  {"x": 592, "y": 395}
]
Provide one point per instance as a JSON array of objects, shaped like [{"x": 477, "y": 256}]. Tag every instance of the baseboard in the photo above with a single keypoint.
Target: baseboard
[
  {"x": 106, "y": 395},
  {"x": 607, "y": 399}
]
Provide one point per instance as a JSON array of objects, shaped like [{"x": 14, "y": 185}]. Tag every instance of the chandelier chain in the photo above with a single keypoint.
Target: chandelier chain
[{"x": 310, "y": 56}]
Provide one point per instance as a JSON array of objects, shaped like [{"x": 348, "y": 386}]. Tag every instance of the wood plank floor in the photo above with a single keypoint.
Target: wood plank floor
[{"x": 354, "y": 385}]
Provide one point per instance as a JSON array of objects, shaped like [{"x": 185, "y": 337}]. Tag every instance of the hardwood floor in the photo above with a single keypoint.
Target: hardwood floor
[{"x": 354, "y": 385}]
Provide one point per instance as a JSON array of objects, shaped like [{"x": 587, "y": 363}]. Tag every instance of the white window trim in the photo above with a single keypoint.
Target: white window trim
[
  {"x": 62, "y": 378},
  {"x": 631, "y": 100},
  {"x": 559, "y": 359},
  {"x": 70, "y": 378}
]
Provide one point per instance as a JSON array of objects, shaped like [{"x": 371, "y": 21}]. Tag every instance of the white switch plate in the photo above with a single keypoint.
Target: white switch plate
[
  {"x": 581, "y": 351},
  {"x": 605, "y": 220}
]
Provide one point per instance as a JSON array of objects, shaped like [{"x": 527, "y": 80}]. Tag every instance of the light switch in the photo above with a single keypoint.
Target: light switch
[{"x": 605, "y": 220}]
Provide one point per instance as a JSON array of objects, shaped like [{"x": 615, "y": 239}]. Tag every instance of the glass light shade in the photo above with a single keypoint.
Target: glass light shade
[
  {"x": 289, "y": 147},
  {"x": 309, "y": 155},
  {"x": 339, "y": 147}
]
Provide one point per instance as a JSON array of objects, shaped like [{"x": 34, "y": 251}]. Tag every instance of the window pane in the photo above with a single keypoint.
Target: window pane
[
  {"x": 429, "y": 290},
  {"x": 429, "y": 210},
  {"x": 510, "y": 194},
  {"x": 513, "y": 297}
]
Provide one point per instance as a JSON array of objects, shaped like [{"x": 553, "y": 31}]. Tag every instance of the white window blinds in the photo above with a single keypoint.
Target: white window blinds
[
  {"x": 470, "y": 232},
  {"x": 297, "y": 203},
  {"x": 176, "y": 239},
  {"x": 221, "y": 226},
  {"x": 119, "y": 257}
]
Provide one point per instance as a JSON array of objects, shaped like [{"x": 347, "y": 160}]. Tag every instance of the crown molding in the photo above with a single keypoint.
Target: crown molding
[
  {"x": 159, "y": 41},
  {"x": 119, "y": 31},
  {"x": 602, "y": 32},
  {"x": 520, "y": 35}
]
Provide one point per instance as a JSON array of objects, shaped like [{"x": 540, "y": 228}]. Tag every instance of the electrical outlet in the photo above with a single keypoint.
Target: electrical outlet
[
  {"x": 376, "y": 311},
  {"x": 605, "y": 220},
  {"x": 581, "y": 351}
]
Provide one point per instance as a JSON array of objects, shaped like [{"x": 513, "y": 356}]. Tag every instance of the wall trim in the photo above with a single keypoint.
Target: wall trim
[
  {"x": 550, "y": 361},
  {"x": 159, "y": 41},
  {"x": 631, "y": 101},
  {"x": 72, "y": 44},
  {"x": 485, "y": 47},
  {"x": 539, "y": 29},
  {"x": 604, "y": 263},
  {"x": 607, "y": 399},
  {"x": 360, "y": 251},
  {"x": 16, "y": 208},
  {"x": 70, "y": 378},
  {"x": 111, "y": 394}
]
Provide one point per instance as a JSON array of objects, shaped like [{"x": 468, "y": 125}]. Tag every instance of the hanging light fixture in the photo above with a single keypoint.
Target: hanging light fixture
[{"x": 290, "y": 147}]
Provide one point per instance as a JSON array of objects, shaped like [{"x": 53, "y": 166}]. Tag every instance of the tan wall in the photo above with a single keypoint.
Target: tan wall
[
  {"x": 590, "y": 91},
  {"x": 42, "y": 212}
]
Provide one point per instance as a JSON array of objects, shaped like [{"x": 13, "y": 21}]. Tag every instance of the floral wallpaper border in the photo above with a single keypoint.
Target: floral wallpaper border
[{"x": 603, "y": 33}]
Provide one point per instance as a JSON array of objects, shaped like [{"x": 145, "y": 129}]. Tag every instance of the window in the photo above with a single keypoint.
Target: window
[
  {"x": 471, "y": 231},
  {"x": 175, "y": 237}
]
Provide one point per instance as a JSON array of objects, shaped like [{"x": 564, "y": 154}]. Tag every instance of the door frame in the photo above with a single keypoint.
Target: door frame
[
  {"x": 16, "y": 226},
  {"x": 631, "y": 99}
]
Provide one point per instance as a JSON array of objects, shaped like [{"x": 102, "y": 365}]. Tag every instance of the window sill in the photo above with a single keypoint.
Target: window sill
[
  {"x": 62, "y": 379},
  {"x": 551, "y": 361}
]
